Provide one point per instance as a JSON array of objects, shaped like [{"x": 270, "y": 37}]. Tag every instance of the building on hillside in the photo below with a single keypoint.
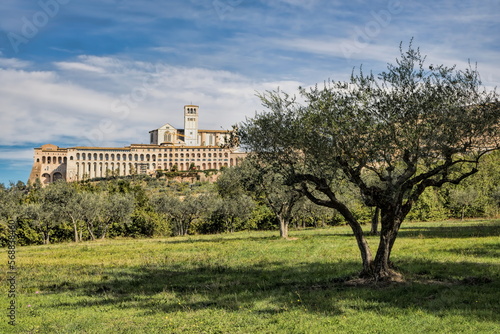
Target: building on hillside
[{"x": 169, "y": 149}]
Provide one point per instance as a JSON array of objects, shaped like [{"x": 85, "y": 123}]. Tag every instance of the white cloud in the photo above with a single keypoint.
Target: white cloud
[
  {"x": 65, "y": 107},
  {"x": 13, "y": 63},
  {"x": 78, "y": 66},
  {"x": 17, "y": 155}
]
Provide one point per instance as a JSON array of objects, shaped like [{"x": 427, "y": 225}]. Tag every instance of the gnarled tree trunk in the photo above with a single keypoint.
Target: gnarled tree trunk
[{"x": 382, "y": 268}]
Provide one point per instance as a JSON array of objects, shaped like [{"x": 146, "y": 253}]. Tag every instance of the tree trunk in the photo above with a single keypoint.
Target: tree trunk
[
  {"x": 364, "y": 248},
  {"x": 382, "y": 266},
  {"x": 376, "y": 214},
  {"x": 92, "y": 236},
  {"x": 103, "y": 236},
  {"x": 75, "y": 229},
  {"x": 46, "y": 238},
  {"x": 283, "y": 227}
]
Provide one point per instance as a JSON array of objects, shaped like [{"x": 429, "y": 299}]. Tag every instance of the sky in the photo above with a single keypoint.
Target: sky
[{"x": 106, "y": 72}]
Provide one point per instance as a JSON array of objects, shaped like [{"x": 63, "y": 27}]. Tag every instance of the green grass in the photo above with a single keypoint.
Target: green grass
[{"x": 254, "y": 282}]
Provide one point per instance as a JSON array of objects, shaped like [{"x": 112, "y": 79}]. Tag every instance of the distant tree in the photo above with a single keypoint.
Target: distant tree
[
  {"x": 181, "y": 213},
  {"x": 306, "y": 213},
  {"x": 39, "y": 220},
  {"x": 475, "y": 197},
  {"x": 265, "y": 185},
  {"x": 463, "y": 199},
  {"x": 233, "y": 211},
  {"x": 115, "y": 209},
  {"x": 411, "y": 128},
  {"x": 59, "y": 202},
  {"x": 91, "y": 207}
]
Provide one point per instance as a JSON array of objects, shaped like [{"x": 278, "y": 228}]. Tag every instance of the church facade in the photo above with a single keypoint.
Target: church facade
[{"x": 170, "y": 149}]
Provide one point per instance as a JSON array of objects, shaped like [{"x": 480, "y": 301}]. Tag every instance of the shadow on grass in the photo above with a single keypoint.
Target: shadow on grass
[
  {"x": 214, "y": 238},
  {"x": 479, "y": 250},
  {"x": 474, "y": 230},
  {"x": 271, "y": 288}
]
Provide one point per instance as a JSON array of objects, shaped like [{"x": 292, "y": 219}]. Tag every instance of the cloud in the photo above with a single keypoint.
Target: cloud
[
  {"x": 16, "y": 154},
  {"x": 13, "y": 63},
  {"x": 78, "y": 66},
  {"x": 106, "y": 101}
]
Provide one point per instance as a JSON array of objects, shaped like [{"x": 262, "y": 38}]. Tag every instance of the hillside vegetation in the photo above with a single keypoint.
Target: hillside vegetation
[{"x": 143, "y": 206}]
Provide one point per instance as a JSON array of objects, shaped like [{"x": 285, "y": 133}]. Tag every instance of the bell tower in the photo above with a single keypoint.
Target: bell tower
[{"x": 191, "y": 125}]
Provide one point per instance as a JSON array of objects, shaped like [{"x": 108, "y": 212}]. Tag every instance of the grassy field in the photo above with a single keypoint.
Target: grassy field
[{"x": 254, "y": 282}]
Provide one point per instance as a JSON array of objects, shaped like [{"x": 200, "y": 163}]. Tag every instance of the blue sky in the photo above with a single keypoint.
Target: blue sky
[{"x": 105, "y": 72}]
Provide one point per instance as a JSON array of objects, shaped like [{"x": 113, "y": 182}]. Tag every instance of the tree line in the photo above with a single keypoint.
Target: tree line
[{"x": 245, "y": 197}]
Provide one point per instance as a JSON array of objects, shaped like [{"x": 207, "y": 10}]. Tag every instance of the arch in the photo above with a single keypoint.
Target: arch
[
  {"x": 101, "y": 156},
  {"x": 44, "y": 159},
  {"x": 142, "y": 157},
  {"x": 231, "y": 162},
  {"x": 95, "y": 156},
  {"x": 136, "y": 157},
  {"x": 153, "y": 157},
  {"x": 48, "y": 160},
  {"x": 57, "y": 176},
  {"x": 37, "y": 159},
  {"x": 148, "y": 157},
  {"x": 45, "y": 178},
  {"x": 59, "y": 160},
  {"x": 112, "y": 157}
]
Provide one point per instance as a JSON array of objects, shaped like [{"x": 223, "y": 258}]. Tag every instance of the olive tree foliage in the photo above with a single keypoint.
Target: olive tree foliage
[
  {"x": 266, "y": 186},
  {"x": 232, "y": 212},
  {"x": 181, "y": 212},
  {"x": 391, "y": 136}
]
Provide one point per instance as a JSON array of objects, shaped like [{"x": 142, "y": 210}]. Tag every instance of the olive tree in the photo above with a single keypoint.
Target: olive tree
[
  {"x": 391, "y": 136},
  {"x": 266, "y": 186}
]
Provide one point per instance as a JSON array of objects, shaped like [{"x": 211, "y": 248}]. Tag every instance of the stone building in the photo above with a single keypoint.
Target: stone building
[{"x": 169, "y": 149}]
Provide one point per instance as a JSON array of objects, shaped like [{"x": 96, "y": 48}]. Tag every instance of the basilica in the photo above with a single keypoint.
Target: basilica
[{"x": 170, "y": 149}]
